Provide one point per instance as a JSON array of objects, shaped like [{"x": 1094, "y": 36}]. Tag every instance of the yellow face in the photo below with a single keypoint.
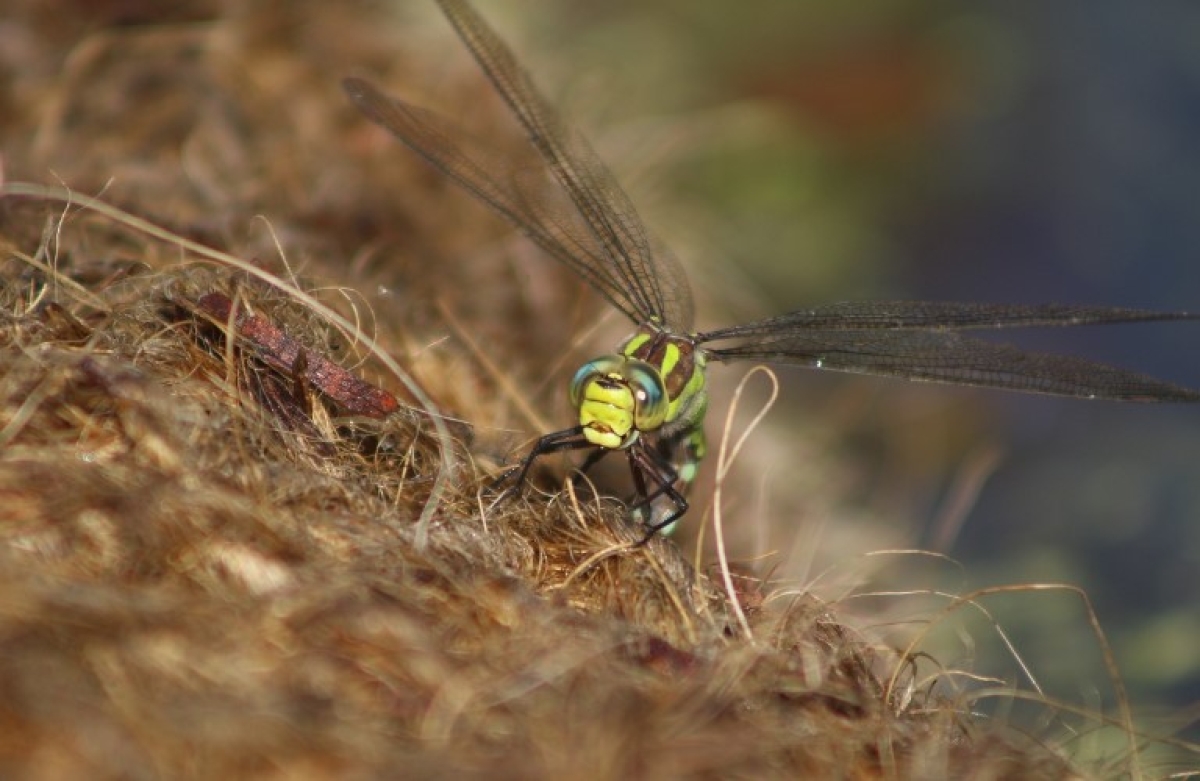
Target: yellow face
[{"x": 618, "y": 398}]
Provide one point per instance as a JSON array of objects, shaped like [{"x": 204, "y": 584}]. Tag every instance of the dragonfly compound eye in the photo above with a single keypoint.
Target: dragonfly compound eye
[
  {"x": 604, "y": 366},
  {"x": 650, "y": 401}
]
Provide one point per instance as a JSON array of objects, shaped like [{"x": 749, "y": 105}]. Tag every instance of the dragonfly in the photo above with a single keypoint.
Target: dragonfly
[{"x": 648, "y": 398}]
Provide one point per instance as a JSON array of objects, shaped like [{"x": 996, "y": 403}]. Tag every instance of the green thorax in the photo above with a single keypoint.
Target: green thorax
[{"x": 678, "y": 361}]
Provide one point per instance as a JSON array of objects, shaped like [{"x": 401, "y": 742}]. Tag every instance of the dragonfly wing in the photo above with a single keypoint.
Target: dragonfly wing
[
  {"x": 939, "y": 315},
  {"x": 636, "y": 266},
  {"x": 921, "y": 341},
  {"x": 518, "y": 189}
]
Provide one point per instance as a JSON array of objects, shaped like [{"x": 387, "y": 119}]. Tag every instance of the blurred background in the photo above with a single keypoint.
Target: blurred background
[{"x": 797, "y": 153}]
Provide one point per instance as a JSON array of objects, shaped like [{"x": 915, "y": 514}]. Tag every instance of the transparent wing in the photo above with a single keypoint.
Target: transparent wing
[
  {"x": 920, "y": 340},
  {"x": 594, "y": 229}
]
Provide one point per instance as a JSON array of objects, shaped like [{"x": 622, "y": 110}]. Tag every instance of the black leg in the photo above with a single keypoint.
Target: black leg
[
  {"x": 644, "y": 461},
  {"x": 592, "y": 459},
  {"x": 567, "y": 439},
  {"x": 647, "y": 465}
]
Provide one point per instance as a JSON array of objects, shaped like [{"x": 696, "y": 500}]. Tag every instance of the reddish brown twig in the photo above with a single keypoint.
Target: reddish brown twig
[{"x": 283, "y": 353}]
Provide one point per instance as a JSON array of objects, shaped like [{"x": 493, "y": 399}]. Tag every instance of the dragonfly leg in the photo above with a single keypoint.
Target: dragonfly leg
[
  {"x": 654, "y": 473},
  {"x": 592, "y": 459},
  {"x": 645, "y": 462},
  {"x": 567, "y": 439},
  {"x": 675, "y": 460}
]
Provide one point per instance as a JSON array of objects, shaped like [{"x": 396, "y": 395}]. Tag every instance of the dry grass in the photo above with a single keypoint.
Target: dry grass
[{"x": 210, "y": 570}]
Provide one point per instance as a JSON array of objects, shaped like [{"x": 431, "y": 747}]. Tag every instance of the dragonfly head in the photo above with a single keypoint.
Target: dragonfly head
[{"x": 618, "y": 398}]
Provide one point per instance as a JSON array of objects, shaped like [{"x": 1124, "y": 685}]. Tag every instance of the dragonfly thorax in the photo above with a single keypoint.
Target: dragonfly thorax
[{"x": 618, "y": 397}]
